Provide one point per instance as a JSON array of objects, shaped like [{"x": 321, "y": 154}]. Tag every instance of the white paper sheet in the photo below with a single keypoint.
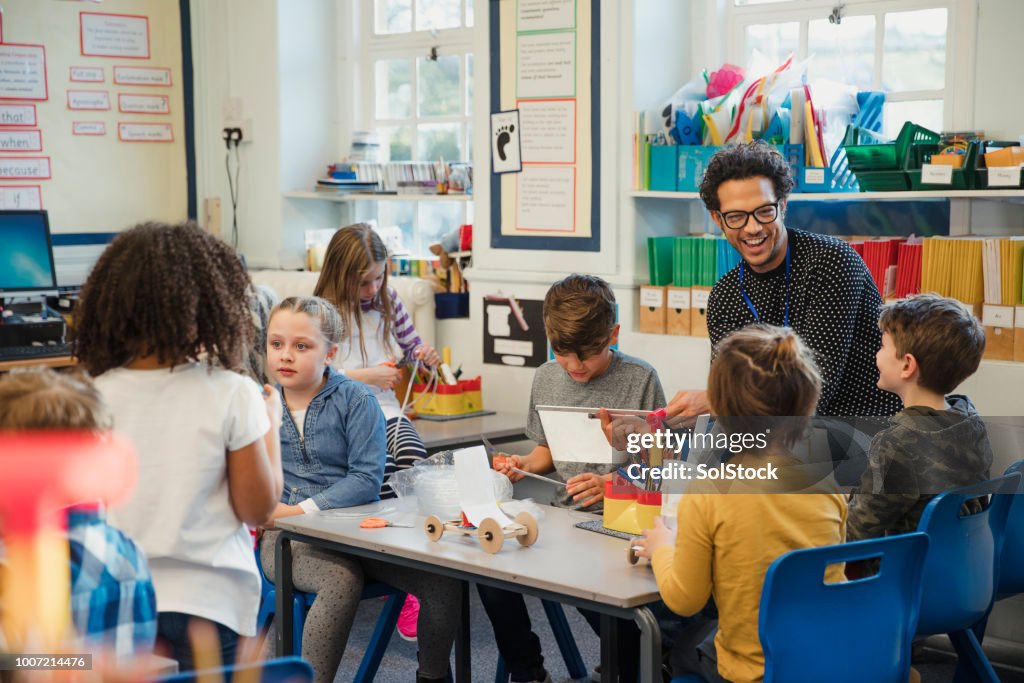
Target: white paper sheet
[
  {"x": 575, "y": 437},
  {"x": 476, "y": 490}
]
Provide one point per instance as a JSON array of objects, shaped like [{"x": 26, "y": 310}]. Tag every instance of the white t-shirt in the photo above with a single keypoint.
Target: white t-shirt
[
  {"x": 350, "y": 357},
  {"x": 183, "y": 422}
]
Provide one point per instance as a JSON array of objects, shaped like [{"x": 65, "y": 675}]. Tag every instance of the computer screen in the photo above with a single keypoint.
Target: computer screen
[{"x": 26, "y": 254}]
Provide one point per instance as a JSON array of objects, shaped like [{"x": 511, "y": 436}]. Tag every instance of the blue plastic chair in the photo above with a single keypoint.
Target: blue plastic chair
[
  {"x": 962, "y": 567},
  {"x": 1011, "y": 563},
  {"x": 301, "y": 602},
  {"x": 283, "y": 670},
  {"x": 801, "y": 616},
  {"x": 566, "y": 644}
]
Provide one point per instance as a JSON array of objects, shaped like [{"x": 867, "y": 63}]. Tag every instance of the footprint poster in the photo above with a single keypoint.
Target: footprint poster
[{"x": 506, "y": 148}]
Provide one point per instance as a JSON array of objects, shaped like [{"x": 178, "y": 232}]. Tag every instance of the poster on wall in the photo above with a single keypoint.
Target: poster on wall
[
  {"x": 25, "y": 168},
  {"x": 145, "y": 132},
  {"x": 23, "y": 72},
  {"x": 88, "y": 128},
  {"x": 86, "y": 74},
  {"x": 17, "y": 114},
  {"x": 114, "y": 35},
  {"x": 142, "y": 75},
  {"x": 21, "y": 141},
  {"x": 89, "y": 100},
  {"x": 143, "y": 104},
  {"x": 514, "y": 332},
  {"x": 26, "y": 197},
  {"x": 545, "y": 63},
  {"x": 505, "y": 144}
]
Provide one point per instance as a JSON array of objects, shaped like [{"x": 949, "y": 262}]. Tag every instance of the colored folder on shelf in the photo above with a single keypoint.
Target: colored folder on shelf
[{"x": 659, "y": 260}]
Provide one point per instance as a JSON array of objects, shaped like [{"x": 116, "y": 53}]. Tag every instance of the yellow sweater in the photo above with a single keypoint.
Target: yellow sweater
[{"x": 724, "y": 546}]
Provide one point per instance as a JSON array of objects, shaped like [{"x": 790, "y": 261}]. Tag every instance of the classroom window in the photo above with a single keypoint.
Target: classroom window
[
  {"x": 419, "y": 91},
  {"x": 902, "y": 47},
  {"x": 416, "y": 67}
]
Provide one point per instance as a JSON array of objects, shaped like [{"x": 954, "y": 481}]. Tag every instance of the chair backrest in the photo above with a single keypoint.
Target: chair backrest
[
  {"x": 852, "y": 631},
  {"x": 283, "y": 670},
  {"x": 1011, "y": 563},
  {"x": 961, "y": 567}
]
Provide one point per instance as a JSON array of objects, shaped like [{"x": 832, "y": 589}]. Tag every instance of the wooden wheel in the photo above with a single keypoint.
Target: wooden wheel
[
  {"x": 530, "y": 537},
  {"x": 631, "y": 554},
  {"x": 491, "y": 535},
  {"x": 434, "y": 527}
]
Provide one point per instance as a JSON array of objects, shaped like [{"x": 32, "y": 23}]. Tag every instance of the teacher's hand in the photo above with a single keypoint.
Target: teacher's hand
[
  {"x": 688, "y": 403},
  {"x": 617, "y": 429}
]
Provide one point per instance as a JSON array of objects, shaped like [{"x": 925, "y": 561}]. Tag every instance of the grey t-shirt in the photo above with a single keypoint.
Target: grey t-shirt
[{"x": 628, "y": 383}]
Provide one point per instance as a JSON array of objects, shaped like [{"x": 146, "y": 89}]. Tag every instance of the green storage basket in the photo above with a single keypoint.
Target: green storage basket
[
  {"x": 886, "y": 156},
  {"x": 962, "y": 178}
]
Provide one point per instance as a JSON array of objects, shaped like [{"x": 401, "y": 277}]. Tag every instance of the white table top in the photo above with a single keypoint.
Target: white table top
[
  {"x": 467, "y": 431},
  {"x": 564, "y": 560}
]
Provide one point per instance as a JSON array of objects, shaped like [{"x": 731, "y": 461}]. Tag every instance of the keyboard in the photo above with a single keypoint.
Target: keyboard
[{"x": 8, "y": 353}]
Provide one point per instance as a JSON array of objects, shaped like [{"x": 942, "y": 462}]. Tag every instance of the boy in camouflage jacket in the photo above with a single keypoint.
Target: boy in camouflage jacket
[{"x": 930, "y": 344}]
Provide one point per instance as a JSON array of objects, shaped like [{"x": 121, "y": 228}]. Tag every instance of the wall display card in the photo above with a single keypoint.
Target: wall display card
[
  {"x": 17, "y": 114},
  {"x": 143, "y": 104},
  {"x": 546, "y": 65},
  {"x": 506, "y": 342},
  {"x": 21, "y": 141},
  {"x": 545, "y": 15},
  {"x": 114, "y": 35},
  {"x": 86, "y": 74},
  {"x": 88, "y": 128},
  {"x": 145, "y": 132},
  {"x": 546, "y": 199},
  {"x": 94, "y": 100},
  {"x": 506, "y": 154},
  {"x": 549, "y": 131},
  {"x": 142, "y": 75},
  {"x": 27, "y": 197},
  {"x": 23, "y": 72},
  {"x": 24, "y": 168}
]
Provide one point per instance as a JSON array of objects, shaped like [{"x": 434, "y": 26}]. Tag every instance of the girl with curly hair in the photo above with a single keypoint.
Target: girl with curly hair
[{"x": 163, "y": 321}]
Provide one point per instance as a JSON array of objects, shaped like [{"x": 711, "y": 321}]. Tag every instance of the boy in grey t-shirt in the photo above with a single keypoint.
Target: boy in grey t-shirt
[{"x": 579, "y": 318}]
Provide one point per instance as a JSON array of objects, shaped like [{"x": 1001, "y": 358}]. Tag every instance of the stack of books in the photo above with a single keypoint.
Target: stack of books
[{"x": 345, "y": 186}]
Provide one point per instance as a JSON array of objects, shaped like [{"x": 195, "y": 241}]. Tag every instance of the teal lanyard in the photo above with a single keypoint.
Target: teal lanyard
[{"x": 750, "y": 304}]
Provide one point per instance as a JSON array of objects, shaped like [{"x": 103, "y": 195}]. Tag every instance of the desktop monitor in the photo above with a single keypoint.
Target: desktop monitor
[{"x": 26, "y": 252}]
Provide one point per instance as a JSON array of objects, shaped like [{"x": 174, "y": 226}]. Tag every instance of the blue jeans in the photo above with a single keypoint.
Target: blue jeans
[{"x": 172, "y": 639}]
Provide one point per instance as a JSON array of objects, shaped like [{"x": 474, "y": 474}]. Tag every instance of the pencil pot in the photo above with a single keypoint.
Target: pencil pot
[
  {"x": 451, "y": 305},
  {"x": 648, "y": 507},
  {"x": 472, "y": 394},
  {"x": 620, "y": 503}
]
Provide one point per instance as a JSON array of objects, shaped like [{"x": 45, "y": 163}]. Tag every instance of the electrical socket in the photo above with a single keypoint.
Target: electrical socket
[{"x": 244, "y": 125}]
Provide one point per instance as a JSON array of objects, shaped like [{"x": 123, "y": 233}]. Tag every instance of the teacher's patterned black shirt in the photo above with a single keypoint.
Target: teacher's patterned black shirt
[{"x": 833, "y": 306}]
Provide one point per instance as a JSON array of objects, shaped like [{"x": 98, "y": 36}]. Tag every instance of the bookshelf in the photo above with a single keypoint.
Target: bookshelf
[{"x": 369, "y": 197}]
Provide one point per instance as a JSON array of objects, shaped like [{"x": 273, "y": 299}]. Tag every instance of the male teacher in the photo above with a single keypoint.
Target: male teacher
[{"x": 815, "y": 284}]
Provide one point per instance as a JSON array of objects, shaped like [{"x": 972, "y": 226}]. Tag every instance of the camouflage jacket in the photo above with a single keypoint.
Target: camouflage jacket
[{"x": 923, "y": 453}]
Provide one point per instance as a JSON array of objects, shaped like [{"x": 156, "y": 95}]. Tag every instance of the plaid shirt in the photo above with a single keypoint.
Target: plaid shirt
[{"x": 113, "y": 604}]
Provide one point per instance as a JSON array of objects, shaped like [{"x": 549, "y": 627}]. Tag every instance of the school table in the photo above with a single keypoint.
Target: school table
[
  {"x": 566, "y": 564},
  {"x": 53, "y": 362},
  {"x": 498, "y": 428}
]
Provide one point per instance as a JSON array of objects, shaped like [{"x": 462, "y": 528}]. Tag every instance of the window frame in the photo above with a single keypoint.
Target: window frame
[
  {"x": 957, "y": 94},
  {"x": 414, "y": 45}
]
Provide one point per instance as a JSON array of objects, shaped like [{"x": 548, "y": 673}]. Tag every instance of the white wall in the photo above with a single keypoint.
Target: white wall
[{"x": 274, "y": 60}]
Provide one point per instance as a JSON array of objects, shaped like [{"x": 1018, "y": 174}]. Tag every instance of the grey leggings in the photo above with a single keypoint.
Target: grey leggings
[{"x": 337, "y": 580}]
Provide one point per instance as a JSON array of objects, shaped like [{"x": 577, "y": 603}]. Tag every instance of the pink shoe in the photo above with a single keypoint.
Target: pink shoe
[{"x": 407, "y": 619}]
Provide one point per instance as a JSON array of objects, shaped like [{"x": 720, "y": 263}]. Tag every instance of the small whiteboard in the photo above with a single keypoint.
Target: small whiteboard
[{"x": 574, "y": 436}]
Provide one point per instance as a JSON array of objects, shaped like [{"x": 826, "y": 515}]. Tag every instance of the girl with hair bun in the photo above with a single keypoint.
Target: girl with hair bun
[{"x": 763, "y": 381}]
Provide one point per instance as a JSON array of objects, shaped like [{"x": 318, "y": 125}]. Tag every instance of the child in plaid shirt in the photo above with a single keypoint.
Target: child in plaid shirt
[{"x": 113, "y": 605}]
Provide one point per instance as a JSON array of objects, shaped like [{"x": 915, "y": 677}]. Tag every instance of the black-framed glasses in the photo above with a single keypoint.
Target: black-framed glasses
[{"x": 734, "y": 220}]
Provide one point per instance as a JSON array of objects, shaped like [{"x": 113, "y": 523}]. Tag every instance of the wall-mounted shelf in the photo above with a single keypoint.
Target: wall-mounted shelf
[
  {"x": 858, "y": 196},
  {"x": 365, "y": 197}
]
